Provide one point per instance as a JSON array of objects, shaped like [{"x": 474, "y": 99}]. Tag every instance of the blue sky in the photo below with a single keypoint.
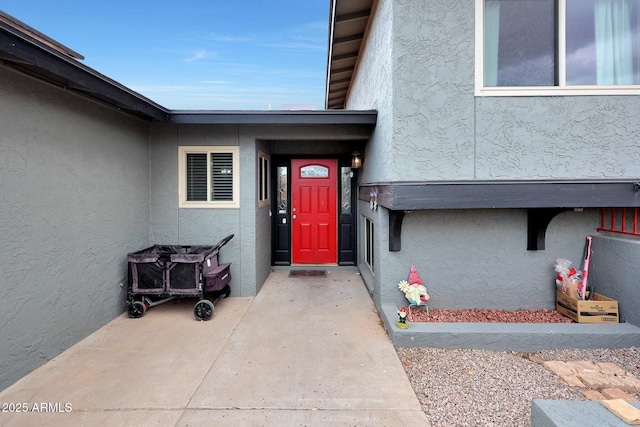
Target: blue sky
[{"x": 196, "y": 54}]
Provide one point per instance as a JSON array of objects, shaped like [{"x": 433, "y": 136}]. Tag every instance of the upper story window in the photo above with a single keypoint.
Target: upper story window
[
  {"x": 208, "y": 177},
  {"x": 557, "y": 47}
]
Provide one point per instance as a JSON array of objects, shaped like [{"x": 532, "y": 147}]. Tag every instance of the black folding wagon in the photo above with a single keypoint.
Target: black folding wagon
[{"x": 161, "y": 273}]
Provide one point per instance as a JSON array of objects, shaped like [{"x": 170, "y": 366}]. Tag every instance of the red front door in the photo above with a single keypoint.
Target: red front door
[{"x": 314, "y": 198}]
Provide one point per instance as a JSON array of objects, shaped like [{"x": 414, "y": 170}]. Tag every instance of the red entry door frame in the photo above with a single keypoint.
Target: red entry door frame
[{"x": 314, "y": 215}]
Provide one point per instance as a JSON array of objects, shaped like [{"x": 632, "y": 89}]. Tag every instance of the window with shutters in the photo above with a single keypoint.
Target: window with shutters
[{"x": 208, "y": 177}]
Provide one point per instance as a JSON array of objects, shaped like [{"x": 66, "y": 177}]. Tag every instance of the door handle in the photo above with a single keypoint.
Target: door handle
[{"x": 294, "y": 217}]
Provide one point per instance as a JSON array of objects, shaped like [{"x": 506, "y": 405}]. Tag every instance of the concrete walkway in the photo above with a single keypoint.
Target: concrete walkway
[{"x": 305, "y": 351}]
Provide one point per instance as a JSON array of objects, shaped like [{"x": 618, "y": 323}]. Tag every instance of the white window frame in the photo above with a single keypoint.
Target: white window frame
[
  {"x": 182, "y": 176},
  {"x": 561, "y": 90},
  {"x": 264, "y": 179}
]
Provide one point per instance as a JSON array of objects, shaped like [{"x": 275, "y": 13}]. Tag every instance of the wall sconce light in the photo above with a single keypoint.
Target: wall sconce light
[{"x": 356, "y": 160}]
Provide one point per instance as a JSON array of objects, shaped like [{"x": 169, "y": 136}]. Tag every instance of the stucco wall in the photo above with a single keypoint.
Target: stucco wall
[
  {"x": 431, "y": 127},
  {"x": 372, "y": 88},
  {"x": 433, "y": 103},
  {"x": 250, "y": 250},
  {"x": 172, "y": 225},
  {"x": 614, "y": 271},
  {"x": 441, "y": 131},
  {"x": 474, "y": 258},
  {"x": 479, "y": 259},
  {"x": 74, "y": 193},
  {"x": 558, "y": 137}
]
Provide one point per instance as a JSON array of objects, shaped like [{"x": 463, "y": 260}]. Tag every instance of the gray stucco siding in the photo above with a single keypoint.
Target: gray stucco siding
[
  {"x": 431, "y": 127},
  {"x": 615, "y": 272},
  {"x": 577, "y": 137},
  {"x": 434, "y": 128},
  {"x": 74, "y": 196},
  {"x": 194, "y": 226},
  {"x": 164, "y": 212},
  {"x": 250, "y": 250},
  {"x": 479, "y": 258},
  {"x": 433, "y": 101},
  {"x": 372, "y": 88}
]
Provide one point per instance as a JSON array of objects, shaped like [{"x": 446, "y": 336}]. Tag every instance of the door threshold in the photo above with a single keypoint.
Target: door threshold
[
  {"x": 335, "y": 264},
  {"x": 313, "y": 267}
]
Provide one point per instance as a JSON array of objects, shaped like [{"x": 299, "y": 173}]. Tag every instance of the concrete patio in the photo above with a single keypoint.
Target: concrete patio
[{"x": 305, "y": 351}]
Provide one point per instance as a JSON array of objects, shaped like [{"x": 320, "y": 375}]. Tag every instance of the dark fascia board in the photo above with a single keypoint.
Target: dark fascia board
[
  {"x": 31, "y": 56},
  {"x": 32, "y": 32},
  {"x": 39, "y": 60},
  {"x": 408, "y": 196},
  {"x": 278, "y": 117}
]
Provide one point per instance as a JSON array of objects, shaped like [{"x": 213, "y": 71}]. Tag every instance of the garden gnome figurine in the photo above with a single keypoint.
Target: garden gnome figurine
[
  {"x": 415, "y": 291},
  {"x": 402, "y": 315}
]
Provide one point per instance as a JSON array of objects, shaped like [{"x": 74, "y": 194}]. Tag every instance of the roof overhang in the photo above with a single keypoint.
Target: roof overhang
[
  {"x": 348, "y": 22},
  {"x": 276, "y": 117},
  {"x": 30, "y": 52},
  {"x": 12, "y": 22},
  {"x": 39, "y": 58}
]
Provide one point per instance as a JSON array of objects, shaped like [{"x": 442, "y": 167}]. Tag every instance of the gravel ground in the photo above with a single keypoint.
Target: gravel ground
[
  {"x": 487, "y": 316},
  {"x": 490, "y": 388}
]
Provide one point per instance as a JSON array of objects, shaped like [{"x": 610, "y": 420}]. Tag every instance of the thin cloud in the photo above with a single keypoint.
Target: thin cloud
[
  {"x": 144, "y": 89},
  {"x": 200, "y": 54},
  {"x": 309, "y": 36},
  {"x": 299, "y": 45},
  {"x": 217, "y": 82},
  {"x": 229, "y": 38}
]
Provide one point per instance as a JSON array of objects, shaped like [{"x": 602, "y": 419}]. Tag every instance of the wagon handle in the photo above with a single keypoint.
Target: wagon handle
[{"x": 224, "y": 241}]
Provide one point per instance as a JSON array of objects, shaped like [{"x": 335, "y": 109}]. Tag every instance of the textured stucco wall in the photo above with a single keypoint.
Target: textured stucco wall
[
  {"x": 439, "y": 130},
  {"x": 372, "y": 89},
  {"x": 171, "y": 225},
  {"x": 433, "y": 103},
  {"x": 419, "y": 58},
  {"x": 474, "y": 259},
  {"x": 479, "y": 259},
  {"x": 614, "y": 271},
  {"x": 558, "y": 137},
  {"x": 250, "y": 250},
  {"x": 74, "y": 191},
  {"x": 417, "y": 70}
]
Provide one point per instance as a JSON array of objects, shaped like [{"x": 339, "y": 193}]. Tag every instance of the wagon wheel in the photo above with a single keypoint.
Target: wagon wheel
[
  {"x": 137, "y": 309},
  {"x": 203, "y": 310},
  {"x": 227, "y": 291}
]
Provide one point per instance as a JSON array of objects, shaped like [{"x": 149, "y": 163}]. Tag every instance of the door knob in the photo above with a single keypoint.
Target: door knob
[{"x": 294, "y": 217}]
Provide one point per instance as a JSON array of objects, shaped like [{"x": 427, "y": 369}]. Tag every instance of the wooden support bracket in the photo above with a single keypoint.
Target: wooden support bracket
[
  {"x": 538, "y": 220},
  {"x": 395, "y": 230}
]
